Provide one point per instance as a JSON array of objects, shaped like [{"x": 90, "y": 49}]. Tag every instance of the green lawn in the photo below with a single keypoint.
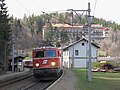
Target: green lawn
[{"x": 100, "y": 80}]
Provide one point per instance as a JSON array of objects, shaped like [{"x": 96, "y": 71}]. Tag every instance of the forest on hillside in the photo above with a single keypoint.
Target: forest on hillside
[
  {"x": 28, "y": 31},
  {"x": 33, "y": 24}
]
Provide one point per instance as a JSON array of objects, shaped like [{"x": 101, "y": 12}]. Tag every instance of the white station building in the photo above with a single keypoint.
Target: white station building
[{"x": 77, "y": 54}]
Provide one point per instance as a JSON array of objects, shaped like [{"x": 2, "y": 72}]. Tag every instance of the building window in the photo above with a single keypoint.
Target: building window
[
  {"x": 83, "y": 44},
  {"x": 76, "y": 52}
]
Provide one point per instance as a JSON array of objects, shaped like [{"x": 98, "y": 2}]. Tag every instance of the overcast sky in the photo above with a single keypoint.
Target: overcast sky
[{"x": 106, "y": 9}]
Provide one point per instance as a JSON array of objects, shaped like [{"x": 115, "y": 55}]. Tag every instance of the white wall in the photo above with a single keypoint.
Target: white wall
[
  {"x": 66, "y": 61},
  {"x": 79, "y": 60}
]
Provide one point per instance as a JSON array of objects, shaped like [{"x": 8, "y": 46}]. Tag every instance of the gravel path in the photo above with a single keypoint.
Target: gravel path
[{"x": 67, "y": 82}]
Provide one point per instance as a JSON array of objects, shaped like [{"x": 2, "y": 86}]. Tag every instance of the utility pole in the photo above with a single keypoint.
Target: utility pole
[
  {"x": 13, "y": 42},
  {"x": 73, "y": 45},
  {"x": 89, "y": 41},
  {"x": 5, "y": 61},
  {"x": 43, "y": 31}
]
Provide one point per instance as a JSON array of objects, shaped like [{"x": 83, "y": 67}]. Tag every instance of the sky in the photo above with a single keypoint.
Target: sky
[{"x": 106, "y": 9}]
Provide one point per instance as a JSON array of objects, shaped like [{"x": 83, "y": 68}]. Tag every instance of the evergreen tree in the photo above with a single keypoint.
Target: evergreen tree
[{"x": 5, "y": 34}]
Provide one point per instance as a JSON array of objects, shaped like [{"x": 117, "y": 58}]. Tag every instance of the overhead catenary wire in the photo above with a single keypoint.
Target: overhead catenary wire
[
  {"x": 95, "y": 7},
  {"x": 55, "y": 11},
  {"x": 23, "y": 6}
]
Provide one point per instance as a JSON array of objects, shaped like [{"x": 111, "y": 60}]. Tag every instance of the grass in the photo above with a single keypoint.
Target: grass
[{"x": 100, "y": 80}]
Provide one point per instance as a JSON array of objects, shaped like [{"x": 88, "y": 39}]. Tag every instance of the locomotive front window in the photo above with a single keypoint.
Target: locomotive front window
[
  {"x": 50, "y": 53},
  {"x": 39, "y": 54}
]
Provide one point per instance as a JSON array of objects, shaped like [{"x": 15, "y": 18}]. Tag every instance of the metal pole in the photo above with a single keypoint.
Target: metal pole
[
  {"x": 89, "y": 42},
  {"x": 43, "y": 31},
  {"x": 12, "y": 54},
  {"x": 73, "y": 42},
  {"x": 5, "y": 62}
]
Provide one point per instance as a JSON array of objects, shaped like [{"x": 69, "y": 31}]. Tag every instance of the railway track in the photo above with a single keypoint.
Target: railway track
[
  {"x": 38, "y": 85},
  {"x": 7, "y": 82},
  {"x": 17, "y": 84},
  {"x": 26, "y": 83},
  {"x": 42, "y": 85}
]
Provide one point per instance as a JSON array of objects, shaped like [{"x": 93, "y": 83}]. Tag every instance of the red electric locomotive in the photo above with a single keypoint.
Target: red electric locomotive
[{"x": 46, "y": 63}]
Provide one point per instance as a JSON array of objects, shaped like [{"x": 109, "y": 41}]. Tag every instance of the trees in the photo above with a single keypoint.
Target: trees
[
  {"x": 56, "y": 37},
  {"x": 5, "y": 34}
]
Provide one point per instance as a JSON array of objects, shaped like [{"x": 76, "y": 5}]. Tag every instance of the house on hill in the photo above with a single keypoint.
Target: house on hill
[{"x": 76, "y": 54}]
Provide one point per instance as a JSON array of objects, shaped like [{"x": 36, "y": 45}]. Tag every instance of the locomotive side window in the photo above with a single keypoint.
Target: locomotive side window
[
  {"x": 39, "y": 54},
  {"x": 50, "y": 53}
]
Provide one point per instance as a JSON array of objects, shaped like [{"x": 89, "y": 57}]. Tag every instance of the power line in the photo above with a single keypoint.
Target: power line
[
  {"x": 23, "y": 6},
  {"x": 95, "y": 7},
  {"x": 56, "y": 11}
]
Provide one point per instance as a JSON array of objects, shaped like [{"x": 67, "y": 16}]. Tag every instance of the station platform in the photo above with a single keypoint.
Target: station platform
[
  {"x": 11, "y": 75},
  {"x": 67, "y": 82}
]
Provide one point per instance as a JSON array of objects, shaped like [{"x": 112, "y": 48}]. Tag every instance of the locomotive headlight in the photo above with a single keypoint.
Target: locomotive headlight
[
  {"x": 53, "y": 63},
  {"x": 37, "y": 64}
]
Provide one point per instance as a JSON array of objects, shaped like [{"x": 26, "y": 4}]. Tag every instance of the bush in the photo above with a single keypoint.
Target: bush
[
  {"x": 108, "y": 66},
  {"x": 102, "y": 65},
  {"x": 95, "y": 64}
]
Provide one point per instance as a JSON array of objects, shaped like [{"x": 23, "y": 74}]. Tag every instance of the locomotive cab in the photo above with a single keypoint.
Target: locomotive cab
[{"x": 46, "y": 63}]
